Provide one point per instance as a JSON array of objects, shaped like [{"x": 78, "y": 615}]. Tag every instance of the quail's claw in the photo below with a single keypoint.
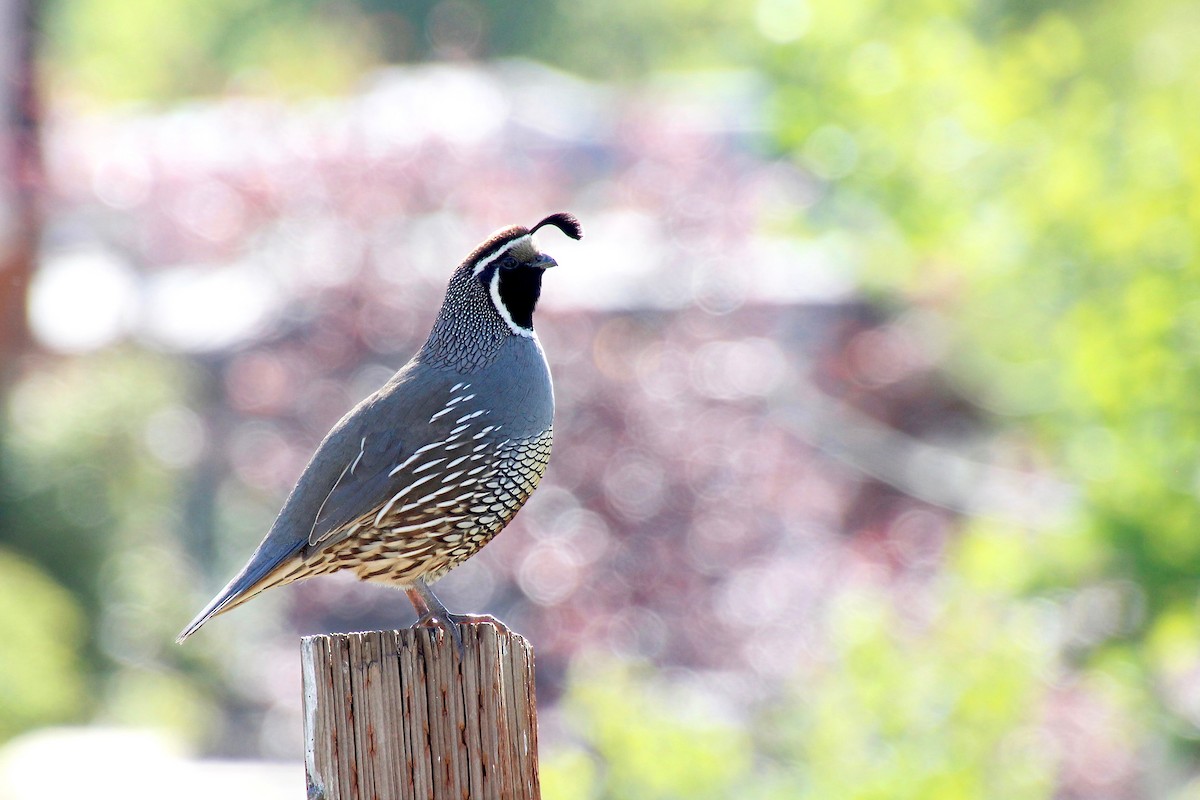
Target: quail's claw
[
  {"x": 456, "y": 635},
  {"x": 449, "y": 625}
]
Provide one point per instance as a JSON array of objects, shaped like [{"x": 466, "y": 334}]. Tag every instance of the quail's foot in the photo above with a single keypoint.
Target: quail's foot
[{"x": 435, "y": 615}]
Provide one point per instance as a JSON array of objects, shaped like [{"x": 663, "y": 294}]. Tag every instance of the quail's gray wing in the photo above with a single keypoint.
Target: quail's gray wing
[
  {"x": 394, "y": 474},
  {"x": 361, "y": 485},
  {"x": 344, "y": 472}
]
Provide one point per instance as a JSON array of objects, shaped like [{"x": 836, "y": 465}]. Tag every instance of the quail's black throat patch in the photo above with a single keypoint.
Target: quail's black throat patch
[{"x": 520, "y": 289}]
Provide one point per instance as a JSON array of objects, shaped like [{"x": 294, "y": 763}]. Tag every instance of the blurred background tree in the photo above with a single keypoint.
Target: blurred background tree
[
  {"x": 1010, "y": 187},
  {"x": 275, "y": 46},
  {"x": 1023, "y": 168}
]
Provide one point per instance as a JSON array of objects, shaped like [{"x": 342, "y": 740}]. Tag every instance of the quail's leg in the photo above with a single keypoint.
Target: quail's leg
[
  {"x": 432, "y": 613},
  {"x": 428, "y": 605}
]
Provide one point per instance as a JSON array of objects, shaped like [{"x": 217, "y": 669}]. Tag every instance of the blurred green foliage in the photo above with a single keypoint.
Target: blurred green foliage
[
  {"x": 654, "y": 737},
  {"x": 180, "y": 49},
  {"x": 948, "y": 710},
  {"x": 97, "y": 578},
  {"x": 942, "y": 707},
  {"x": 141, "y": 50},
  {"x": 42, "y": 676},
  {"x": 1030, "y": 172}
]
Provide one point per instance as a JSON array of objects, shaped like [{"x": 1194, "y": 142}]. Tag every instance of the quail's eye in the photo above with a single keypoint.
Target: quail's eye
[
  {"x": 485, "y": 277},
  {"x": 505, "y": 261}
]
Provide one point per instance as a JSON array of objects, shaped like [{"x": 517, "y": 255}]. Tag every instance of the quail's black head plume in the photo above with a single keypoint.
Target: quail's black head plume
[
  {"x": 564, "y": 222},
  {"x": 425, "y": 471}
]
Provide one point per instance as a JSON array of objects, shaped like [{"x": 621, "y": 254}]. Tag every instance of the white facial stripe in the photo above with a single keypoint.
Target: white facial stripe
[
  {"x": 494, "y": 288},
  {"x": 482, "y": 265}
]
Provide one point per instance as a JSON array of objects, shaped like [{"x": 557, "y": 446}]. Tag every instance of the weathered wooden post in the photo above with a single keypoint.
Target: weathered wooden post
[{"x": 397, "y": 714}]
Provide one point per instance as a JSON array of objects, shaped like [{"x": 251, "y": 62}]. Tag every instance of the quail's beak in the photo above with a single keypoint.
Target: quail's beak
[{"x": 543, "y": 261}]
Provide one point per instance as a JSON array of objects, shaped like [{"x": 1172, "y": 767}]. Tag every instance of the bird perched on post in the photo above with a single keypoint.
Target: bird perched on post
[{"x": 424, "y": 472}]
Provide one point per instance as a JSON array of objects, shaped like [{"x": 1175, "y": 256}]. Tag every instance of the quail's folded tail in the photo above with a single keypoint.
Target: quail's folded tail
[{"x": 260, "y": 573}]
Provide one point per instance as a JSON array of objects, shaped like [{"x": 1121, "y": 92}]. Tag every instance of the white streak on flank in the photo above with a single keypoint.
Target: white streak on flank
[
  {"x": 477, "y": 470},
  {"x": 362, "y": 446},
  {"x": 432, "y": 495},
  {"x": 458, "y": 386},
  {"x": 321, "y": 510},
  {"x": 459, "y": 430},
  {"x": 482, "y": 265},
  {"x": 433, "y": 523},
  {"x": 428, "y": 464},
  {"x": 502, "y": 310},
  {"x": 456, "y": 462},
  {"x": 452, "y": 476},
  {"x": 413, "y": 457},
  {"x": 456, "y": 400},
  {"x": 469, "y": 397},
  {"x": 417, "y": 527},
  {"x": 486, "y": 431},
  {"x": 483, "y": 446},
  {"x": 388, "y": 506},
  {"x": 445, "y": 410},
  {"x": 472, "y": 415}
]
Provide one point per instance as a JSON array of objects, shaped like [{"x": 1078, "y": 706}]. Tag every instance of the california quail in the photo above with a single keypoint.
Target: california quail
[{"x": 425, "y": 471}]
